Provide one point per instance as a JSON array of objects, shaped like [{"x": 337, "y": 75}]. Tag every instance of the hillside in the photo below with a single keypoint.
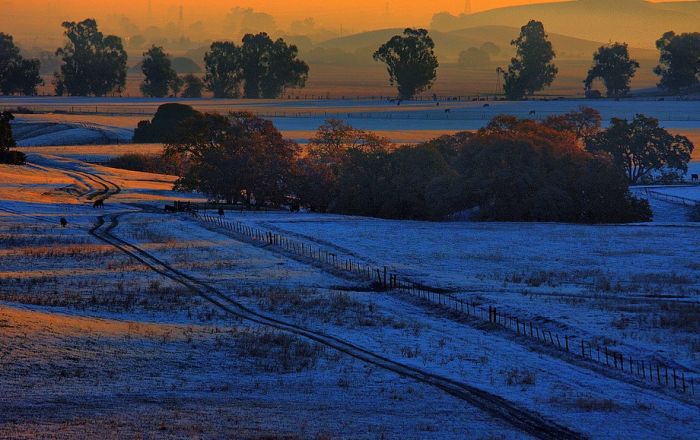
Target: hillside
[
  {"x": 448, "y": 45},
  {"x": 636, "y": 22}
]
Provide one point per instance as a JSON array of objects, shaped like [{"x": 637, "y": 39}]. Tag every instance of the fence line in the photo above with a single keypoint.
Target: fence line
[
  {"x": 678, "y": 200},
  {"x": 653, "y": 372}
]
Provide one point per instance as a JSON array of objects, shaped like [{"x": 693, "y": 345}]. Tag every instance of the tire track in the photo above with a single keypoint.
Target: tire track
[{"x": 520, "y": 418}]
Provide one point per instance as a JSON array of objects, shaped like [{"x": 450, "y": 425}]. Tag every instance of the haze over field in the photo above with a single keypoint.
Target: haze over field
[{"x": 36, "y": 23}]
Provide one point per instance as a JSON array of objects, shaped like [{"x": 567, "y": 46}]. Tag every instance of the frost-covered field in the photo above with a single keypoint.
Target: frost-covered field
[{"x": 95, "y": 343}]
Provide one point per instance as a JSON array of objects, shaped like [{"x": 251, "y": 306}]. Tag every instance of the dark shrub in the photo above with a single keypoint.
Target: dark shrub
[
  {"x": 12, "y": 158},
  {"x": 164, "y": 123}
]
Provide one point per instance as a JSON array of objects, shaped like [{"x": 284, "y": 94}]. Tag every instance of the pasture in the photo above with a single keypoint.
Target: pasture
[{"x": 132, "y": 319}]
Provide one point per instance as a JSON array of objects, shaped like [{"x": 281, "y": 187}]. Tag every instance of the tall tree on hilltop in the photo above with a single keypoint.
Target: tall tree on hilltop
[
  {"x": 17, "y": 74},
  {"x": 613, "y": 65},
  {"x": 679, "y": 61},
  {"x": 93, "y": 64},
  {"x": 159, "y": 73},
  {"x": 410, "y": 60},
  {"x": 531, "y": 70},
  {"x": 269, "y": 67},
  {"x": 265, "y": 68},
  {"x": 223, "y": 69}
]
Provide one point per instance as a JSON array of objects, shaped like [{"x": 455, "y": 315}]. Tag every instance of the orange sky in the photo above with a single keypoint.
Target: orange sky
[{"x": 36, "y": 18}]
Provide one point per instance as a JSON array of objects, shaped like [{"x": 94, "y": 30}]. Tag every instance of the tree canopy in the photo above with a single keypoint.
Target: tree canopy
[
  {"x": 318, "y": 173},
  {"x": 269, "y": 67},
  {"x": 235, "y": 158},
  {"x": 642, "y": 147},
  {"x": 223, "y": 66},
  {"x": 160, "y": 77},
  {"x": 679, "y": 61},
  {"x": 531, "y": 70},
  {"x": 613, "y": 65},
  {"x": 93, "y": 64},
  {"x": 410, "y": 60},
  {"x": 17, "y": 74},
  {"x": 193, "y": 86},
  {"x": 264, "y": 67}
]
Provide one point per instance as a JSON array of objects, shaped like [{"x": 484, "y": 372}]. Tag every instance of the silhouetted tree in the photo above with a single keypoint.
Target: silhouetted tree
[
  {"x": 531, "y": 70},
  {"x": 193, "y": 86},
  {"x": 411, "y": 61},
  {"x": 165, "y": 123},
  {"x": 238, "y": 157},
  {"x": 158, "y": 72},
  {"x": 93, "y": 64},
  {"x": 224, "y": 73},
  {"x": 613, "y": 65},
  {"x": 7, "y": 141},
  {"x": 17, "y": 75},
  {"x": 679, "y": 61},
  {"x": 269, "y": 67},
  {"x": 641, "y": 147}
]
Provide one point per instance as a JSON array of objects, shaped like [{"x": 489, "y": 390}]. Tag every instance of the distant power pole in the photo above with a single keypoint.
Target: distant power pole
[{"x": 467, "y": 7}]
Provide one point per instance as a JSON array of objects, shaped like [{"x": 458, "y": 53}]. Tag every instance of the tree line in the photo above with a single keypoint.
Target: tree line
[
  {"x": 566, "y": 168},
  {"x": 260, "y": 67},
  {"x": 412, "y": 64},
  {"x": 94, "y": 64}
]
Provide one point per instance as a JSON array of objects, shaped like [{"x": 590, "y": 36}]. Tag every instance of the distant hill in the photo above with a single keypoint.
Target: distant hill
[
  {"x": 636, "y": 22},
  {"x": 448, "y": 45}
]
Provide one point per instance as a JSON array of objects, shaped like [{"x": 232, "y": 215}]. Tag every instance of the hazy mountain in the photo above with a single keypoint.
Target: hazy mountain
[
  {"x": 448, "y": 45},
  {"x": 636, "y": 22}
]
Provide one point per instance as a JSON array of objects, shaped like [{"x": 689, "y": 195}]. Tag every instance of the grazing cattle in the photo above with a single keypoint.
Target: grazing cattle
[
  {"x": 487, "y": 105},
  {"x": 64, "y": 222},
  {"x": 695, "y": 177},
  {"x": 533, "y": 113},
  {"x": 399, "y": 102},
  {"x": 448, "y": 110},
  {"x": 100, "y": 203},
  {"x": 221, "y": 212}
]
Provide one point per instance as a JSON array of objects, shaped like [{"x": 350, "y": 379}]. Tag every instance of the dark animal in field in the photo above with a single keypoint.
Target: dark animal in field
[
  {"x": 532, "y": 113},
  {"x": 437, "y": 104},
  {"x": 695, "y": 177},
  {"x": 221, "y": 212},
  {"x": 399, "y": 102},
  {"x": 64, "y": 222},
  {"x": 448, "y": 110},
  {"x": 100, "y": 203},
  {"x": 487, "y": 105},
  {"x": 169, "y": 208}
]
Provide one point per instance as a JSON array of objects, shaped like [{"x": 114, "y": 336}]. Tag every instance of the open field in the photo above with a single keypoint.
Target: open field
[
  {"x": 132, "y": 322},
  {"x": 69, "y": 299}
]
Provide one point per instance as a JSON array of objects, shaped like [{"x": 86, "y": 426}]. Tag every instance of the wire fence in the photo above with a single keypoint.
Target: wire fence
[
  {"x": 652, "y": 371},
  {"x": 678, "y": 200}
]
